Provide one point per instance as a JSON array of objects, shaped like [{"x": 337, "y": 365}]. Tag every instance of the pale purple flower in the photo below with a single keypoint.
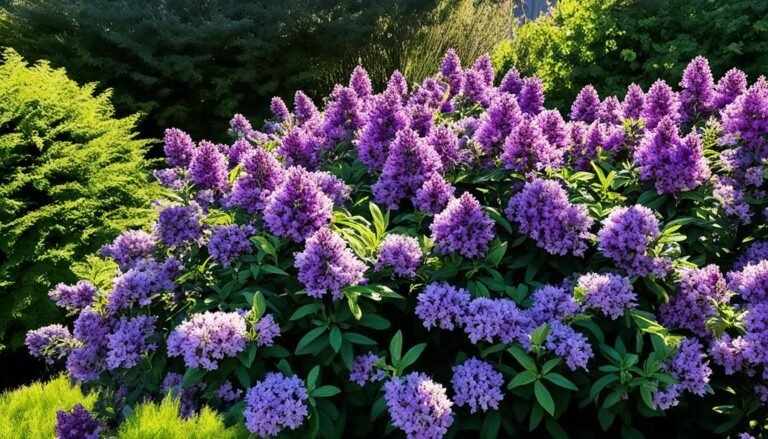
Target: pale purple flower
[
  {"x": 360, "y": 82},
  {"x": 208, "y": 169},
  {"x": 626, "y": 237},
  {"x": 493, "y": 320},
  {"x": 565, "y": 342},
  {"x": 442, "y": 305},
  {"x": 179, "y": 225},
  {"x": 363, "y": 369},
  {"x": 751, "y": 282},
  {"x": 531, "y": 96},
  {"x": 205, "y": 338},
  {"x": 477, "y": 385},
  {"x": 327, "y": 265},
  {"x": 130, "y": 341},
  {"x": 229, "y": 242},
  {"x": 553, "y": 303},
  {"x": 502, "y": 117},
  {"x": 586, "y": 106},
  {"x": 130, "y": 247},
  {"x": 279, "y": 109},
  {"x": 267, "y": 330},
  {"x": 401, "y": 253},
  {"x": 274, "y": 404},
  {"x": 610, "y": 293},
  {"x": 434, "y": 195},
  {"x": 692, "y": 304},
  {"x": 77, "y": 424},
  {"x": 463, "y": 227},
  {"x": 527, "y": 149},
  {"x": 418, "y": 406},
  {"x": 304, "y": 108},
  {"x": 729, "y": 87},
  {"x": 698, "y": 94},
  {"x": 178, "y": 147},
  {"x": 660, "y": 101},
  {"x": 634, "y": 101},
  {"x": 73, "y": 297},
  {"x": 297, "y": 208},
  {"x": 52, "y": 342}
]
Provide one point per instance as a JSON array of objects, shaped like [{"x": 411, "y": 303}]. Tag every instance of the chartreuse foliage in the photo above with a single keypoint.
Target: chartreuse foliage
[
  {"x": 30, "y": 411},
  {"x": 71, "y": 177},
  {"x": 612, "y": 43},
  {"x": 448, "y": 259}
]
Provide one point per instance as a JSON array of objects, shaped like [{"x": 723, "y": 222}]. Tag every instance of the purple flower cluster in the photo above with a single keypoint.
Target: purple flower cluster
[
  {"x": 754, "y": 253},
  {"x": 692, "y": 304},
  {"x": 747, "y": 118},
  {"x": 626, "y": 236},
  {"x": 543, "y": 212},
  {"x": 729, "y": 87},
  {"x": 402, "y": 253},
  {"x": 463, "y": 227},
  {"x": 698, "y": 94},
  {"x": 208, "y": 169},
  {"x": 497, "y": 123},
  {"x": 385, "y": 118},
  {"x": 73, "y": 297},
  {"x": 751, "y": 282},
  {"x": 690, "y": 368},
  {"x": 228, "y": 393},
  {"x": 52, "y": 342},
  {"x": 274, "y": 404},
  {"x": 298, "y": 207},
  {"x": 418, "y": 406},
  {"x": 675, "y": 164},
  {"x": 263, "y": 174},
  {"x": 130, "y": 247},
  {"x": 660, "y": 101},
  {"x": 610, "y": 293},
  {"x": 333, "y": 187},
  {"x": 77, "y": 424},
  {"x": 267, "y": 330},
  {"x": 128, "y": 343},
  {"x": 179, "y": 225},
  {"x": 410, "y": 162},
  {"x": 139, "y": 285},
  {"x": 527, "y": 148},
  {"x": 565, "y": 342},
  {"x": 553, "y": 303},
  {"x": 207, "y": 337},
  {"x": 229, "y": 242},
  {"x": 327, "y": 265},
  {"x": 496, "y": 319},
  {"x": 442, "y": 305},
  {"x": 477, "y": 385},
  {"x": 179, "y": 148},
  {"x": 434, "y": 195},
  {"x": 363, "y": 369},
  {"x": 586, "y": 106},
  {"x": 88, "y": 360},
  {"x": 634, "y": 101}
]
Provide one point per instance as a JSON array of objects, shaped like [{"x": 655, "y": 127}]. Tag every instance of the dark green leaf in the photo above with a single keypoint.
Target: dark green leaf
[
  {"x": 522, "y": 378},
  {"x": 544, "y": 398},
  {"x": 561, "y": 381},
  {"x": 335, "y": 339}
]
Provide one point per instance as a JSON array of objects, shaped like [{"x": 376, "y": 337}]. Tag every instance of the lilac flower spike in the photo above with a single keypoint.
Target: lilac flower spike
[
  {"x": 476, "y": 90},
  {"x": 274, "y": 404},
  {"x": 675, "y": 164},
  {"x": 477, "y": 385},
  {"x": 360, "y": 82},
  {"x": 402, "y": 253},
  {"x": 543, "y": 212},
  {"x": 297, "y": 208},
  {"x": 178, "y": 147},
  {"x": 698, "y": 92},
  {"x": 229, "y": 242},
  {"x": 279, "y": 109},
  {"x": 304, "y": 108},
  {"x": 610, "y": 293},
  {"x": 205, "y": 338},
  {"x": 418, "y": 406},
  {"x": 497, "y": 123},
  {"x": 327, "y": 265},
  {"x": 531, "y": 96},
  {"x": 385, "y": 118},
  {"x": 452, "y": 72},
  {"x": 692, "y": 304},
  {"x": 659, "y": 102},
  {"x": 729, "y": 87},
  {"x": 77, "y": 424},
  {"x": 463, "y": 227},
  {"x": 484, "y": 66},
  {"x": 50, "y": 342},
  {"x": 442, "y": 305},
  {"x": 511, "y": 83},
  {"x": 586, "y": 106},
  {"x": 363, "y": 370},
  {"x": 527, "y": 149},
  {"x": 625, "y": 237},
  {"x": 634, "y": 101},
  {"x": 434, "y": 195},
  {"x": 73, "y": 297},
  {"x": 208, "y": 169}
]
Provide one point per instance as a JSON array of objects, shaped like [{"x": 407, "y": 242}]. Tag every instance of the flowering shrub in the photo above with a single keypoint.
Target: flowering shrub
[{"x": 447, "y": 258}]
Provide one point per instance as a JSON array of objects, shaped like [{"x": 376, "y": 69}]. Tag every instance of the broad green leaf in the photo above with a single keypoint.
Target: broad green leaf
[
  {"x": 335, "y": 338},
  {"x": 396, "y": 347},
  {"x": 561, "y": 381},
  {"x": 309, "y": 337},
  {"x": 522, "y": 378},
  {"x": 523, "y": 358},
  {"x": 412, "y": 355},
  {"x": 324, "y": 392},
  {"x": 544, "y": 398}
]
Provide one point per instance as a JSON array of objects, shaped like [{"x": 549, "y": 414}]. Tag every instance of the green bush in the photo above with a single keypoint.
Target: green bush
[
  {"x": 161, "y": 421},
  {"x": 71, "y": 178},
  {"x": 611, "y": 43},
  {"x": 194, "y": 65},
  {"x": 30, "y": 411}
]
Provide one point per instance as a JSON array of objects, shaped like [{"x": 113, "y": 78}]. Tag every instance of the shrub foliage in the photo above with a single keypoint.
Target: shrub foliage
[
  {"x": 448, "y": 259},
  {"x": 71, "y": 178},
  {"x": 612, "y": 43}
]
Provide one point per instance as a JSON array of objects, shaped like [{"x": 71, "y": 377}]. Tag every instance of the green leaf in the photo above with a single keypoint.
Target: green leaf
[
  {"x": 559, "y": 380},
  {"x": 374, "y": 321},
  {"x": 396, "y": 347},
  {"x": 544, "y": 398},
  {"x": 192, "y": 376},
  {"x": 522, "y": 378},
  {"x": 600, "y": 384},
  {"x": 325, "y": 391},
  {"x": 497, "y": 254},
  {"x": 306, "y": 310},
  {"x": 354, "y": 307},
  {"x": 647, "y": 396},
  {"x": 491, "y": 425},
  {"x": 554, "y": 429},
  {"x": 523, "y": 358},
  {"x": 335, "y": 338},
  {"x": 412, "y": 355},
  {"x": 540, "y": 334},
  {"x": 308, "y": 338},
  {"x": 312, "y": 377},
  {"x": 549, "y": 365},
  {"x": 356, "y": 338},
  {"x": 243, "y": 377},
  {"x": 271, "y": 269},
  {"x": 259, "y": 305}
]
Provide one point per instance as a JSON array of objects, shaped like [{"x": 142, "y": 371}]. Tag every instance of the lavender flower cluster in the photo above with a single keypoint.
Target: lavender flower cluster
[{"x": 468, "y": 171}]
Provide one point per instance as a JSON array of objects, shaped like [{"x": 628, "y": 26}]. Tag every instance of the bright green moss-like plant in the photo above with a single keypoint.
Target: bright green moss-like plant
[
  {"x": 161, "y": 421},
  {"x": 30, "y": 411},
  {"x": 71, "y": 177}
]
